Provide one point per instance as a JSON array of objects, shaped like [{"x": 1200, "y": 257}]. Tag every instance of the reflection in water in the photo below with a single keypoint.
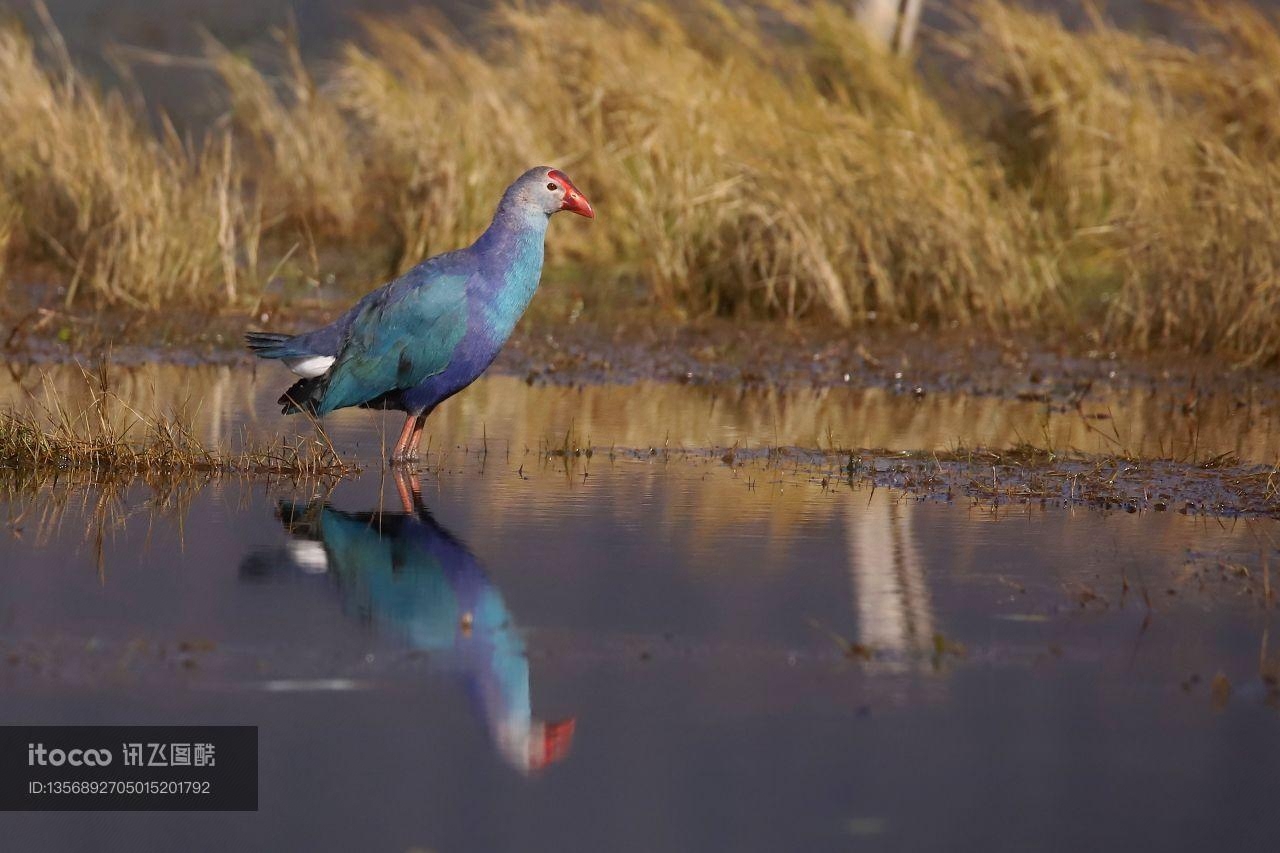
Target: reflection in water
[
  {"x": 403, "y": 570},
  {"x": 890, "y": 593}
]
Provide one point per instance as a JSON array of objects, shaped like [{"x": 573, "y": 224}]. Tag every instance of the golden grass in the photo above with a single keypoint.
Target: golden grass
[
  {"x": 304, "y": 166},
  {"x": 108, "y": 438},
  {"x": 736, "y": 171},
  {"x": 760, "y": 160},
  {"x": 1154, "y": 164},
  {"x": 132, "y": 216}
]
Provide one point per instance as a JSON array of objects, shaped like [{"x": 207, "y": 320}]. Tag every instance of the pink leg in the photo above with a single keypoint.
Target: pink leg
[
  {"x": 418, "y": 426},
  {"x": 401, "y": 452}
]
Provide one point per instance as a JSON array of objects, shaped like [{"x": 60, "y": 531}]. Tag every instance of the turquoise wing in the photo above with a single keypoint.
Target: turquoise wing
[{"x": 399, "y": 339}]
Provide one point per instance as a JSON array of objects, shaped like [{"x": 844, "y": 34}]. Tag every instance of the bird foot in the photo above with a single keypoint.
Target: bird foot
[{"x": 404, "y": 457}]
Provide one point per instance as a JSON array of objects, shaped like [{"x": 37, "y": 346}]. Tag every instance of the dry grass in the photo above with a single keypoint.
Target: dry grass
[
  {"x": 762, "y": 159},
  {"x": 737, "y": 171},
  {"x": 108, "y": 438},
  {"x": 1154, "y": 163},
  {"x": 129, "y": 215},
  {"x": 304, "y": 165}
]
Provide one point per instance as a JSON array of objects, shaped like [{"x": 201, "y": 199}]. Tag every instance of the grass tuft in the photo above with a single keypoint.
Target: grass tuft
[{"x": 108, "y": 438}]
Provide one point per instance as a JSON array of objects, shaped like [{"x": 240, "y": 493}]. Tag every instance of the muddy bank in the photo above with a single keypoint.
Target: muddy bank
[{"x": 1022, "y": 476}]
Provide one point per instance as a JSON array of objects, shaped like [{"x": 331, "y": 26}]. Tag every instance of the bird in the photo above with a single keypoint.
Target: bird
[
  {"x": 424, "y": 336},
  {"x": 404, "y": 572}
]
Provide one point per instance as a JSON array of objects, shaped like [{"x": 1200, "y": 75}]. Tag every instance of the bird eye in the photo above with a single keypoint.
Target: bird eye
[{"x": 552, "y": 186}]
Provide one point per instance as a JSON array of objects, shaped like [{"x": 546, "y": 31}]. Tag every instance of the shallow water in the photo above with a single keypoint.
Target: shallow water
[
  {"x": 513, "y": 415},
  {"x": 634, "y": 652}
]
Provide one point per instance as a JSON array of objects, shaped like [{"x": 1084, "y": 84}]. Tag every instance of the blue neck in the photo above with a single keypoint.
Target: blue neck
[
  {"x": 512, "y": 232},
  {"x": 510, "y": 253}
]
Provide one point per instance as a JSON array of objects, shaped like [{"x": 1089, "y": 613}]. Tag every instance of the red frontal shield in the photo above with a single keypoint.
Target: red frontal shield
[{"x": 574, "y": 200}]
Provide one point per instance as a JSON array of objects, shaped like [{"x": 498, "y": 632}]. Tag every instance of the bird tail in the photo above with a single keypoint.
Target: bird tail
[
  {"x": 269, "y": 344},
  {"x": 304, "y": 395},
  {"x": 300, "y": 519}
]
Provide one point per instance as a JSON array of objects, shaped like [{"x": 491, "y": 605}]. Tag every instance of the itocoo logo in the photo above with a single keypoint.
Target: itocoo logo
[{"x": 37, "y": 754}]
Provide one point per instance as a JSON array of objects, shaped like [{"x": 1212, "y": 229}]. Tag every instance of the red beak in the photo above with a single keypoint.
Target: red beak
[{"x": 574, "y": 201}]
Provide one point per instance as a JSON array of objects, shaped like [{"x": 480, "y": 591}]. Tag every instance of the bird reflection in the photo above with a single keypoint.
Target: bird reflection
[{"x": 402, "y": 569}]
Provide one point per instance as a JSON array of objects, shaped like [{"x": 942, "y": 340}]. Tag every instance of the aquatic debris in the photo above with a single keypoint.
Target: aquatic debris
[
  {"x": 852, "y": 649},
  {"x": 945, "y": 647},
  {"x": 1085, "y": 595},
  {"x": 860, "y": 651},
  {"x": 1238, "y": 574},
  {"x": 861, "y": 827},
  {"x": 1220, "y": 690}
]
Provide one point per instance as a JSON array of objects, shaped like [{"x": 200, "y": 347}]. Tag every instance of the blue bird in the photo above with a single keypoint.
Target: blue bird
[{"x": 423, "y": 337}]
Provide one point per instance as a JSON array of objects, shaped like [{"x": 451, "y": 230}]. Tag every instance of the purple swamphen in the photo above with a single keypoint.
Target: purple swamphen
[{"x": 423, "y": 337}]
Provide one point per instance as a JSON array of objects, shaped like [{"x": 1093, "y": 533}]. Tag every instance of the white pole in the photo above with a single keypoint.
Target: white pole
[
  {"x": 908, "y": 22},
  {"x": 892, "y": 23},
  {"x": 879, "y": 18}
]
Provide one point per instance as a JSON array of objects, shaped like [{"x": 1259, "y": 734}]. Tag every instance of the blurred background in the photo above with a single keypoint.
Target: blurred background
[{"x": 1101, "y": 174}]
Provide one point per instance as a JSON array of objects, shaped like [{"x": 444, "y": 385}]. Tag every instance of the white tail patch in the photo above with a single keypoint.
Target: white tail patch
[
  {"x": 309, "y": 556},
  {"x": 311, "y": 366}
]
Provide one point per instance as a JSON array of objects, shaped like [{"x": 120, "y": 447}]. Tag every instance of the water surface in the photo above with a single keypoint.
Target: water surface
[{"x": 653, "y": 652}]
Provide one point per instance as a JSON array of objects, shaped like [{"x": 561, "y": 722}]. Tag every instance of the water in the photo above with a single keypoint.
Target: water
[{"x": 652, "y": 652}]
